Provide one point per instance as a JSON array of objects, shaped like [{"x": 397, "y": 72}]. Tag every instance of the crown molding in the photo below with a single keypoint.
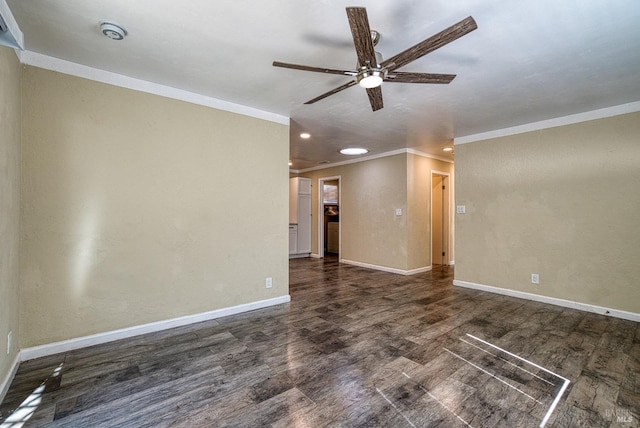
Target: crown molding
[
  {"x": 429, "y": 155},
  {"x": 552, "y": 123},
  {"x": 74, "y": 69},
  {"x": 11, "y": 35},
  {"x": 371, "y": 157}
]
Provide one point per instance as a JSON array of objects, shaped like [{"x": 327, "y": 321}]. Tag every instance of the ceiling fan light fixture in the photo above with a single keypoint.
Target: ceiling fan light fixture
[
  {"x": 370, "y": 78},
  {"x": 354, "y": 151},
  {"x": 371, "y": 70}
]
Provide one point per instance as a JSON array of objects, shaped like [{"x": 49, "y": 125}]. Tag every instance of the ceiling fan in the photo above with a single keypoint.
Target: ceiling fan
[{"x": 370, "y": 73}]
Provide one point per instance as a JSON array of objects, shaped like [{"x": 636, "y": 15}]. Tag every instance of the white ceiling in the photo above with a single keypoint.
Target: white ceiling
[{"x": 528, "y": 61}]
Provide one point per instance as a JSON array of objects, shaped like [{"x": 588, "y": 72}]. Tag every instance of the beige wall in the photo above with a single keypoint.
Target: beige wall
[
  {"x": 138, "y": 208},
  {"x": 9, "y": 206},
  {"x": 562, "y": 202},
  {"x": 371, "y": 192},
  {"x": 419, "y": 207}
]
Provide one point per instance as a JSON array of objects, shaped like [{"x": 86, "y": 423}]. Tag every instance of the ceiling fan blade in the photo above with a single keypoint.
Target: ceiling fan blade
[
  {"x": 375, "y": 98},
  {"x": 316, "y": 69},
  {"x": 331, "y": 92},
  {"x": 404, "y": 77},
  {"x": 434, "y": 42},
  {"x": 361, "y": 32}
]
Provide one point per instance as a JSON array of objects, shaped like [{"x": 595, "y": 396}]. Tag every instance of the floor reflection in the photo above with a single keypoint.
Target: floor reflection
[{"x": 28, "y": 407}]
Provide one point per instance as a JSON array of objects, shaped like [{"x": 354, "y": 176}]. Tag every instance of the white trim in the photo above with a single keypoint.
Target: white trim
[
  {"x": 551, "y": 123},
  {"x": 299, "y": 255},
  {"x": 315, "y": 256},
  {"x": 551, "y": 300},
  {"x": 357, "y": 160},
  {"x": 371, "y": 157},
  {"x": 436, "y": 172},
  {"x": 385, "y": 268},
  {"x": 321, "y": 213},
  {"x": 449, "y": 214},
  {"x": 79, "y": 70},
  {"x": 100, "y": 338},
  {"x": 13, "y": 30},
  {"x": 6, "y": 383},
  {"x": 428, "y": 155}
]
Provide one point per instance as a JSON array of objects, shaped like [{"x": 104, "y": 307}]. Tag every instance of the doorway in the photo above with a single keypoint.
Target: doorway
[
  {"x": 329, "y": 207},
  {"x": 440, "y": 219}
]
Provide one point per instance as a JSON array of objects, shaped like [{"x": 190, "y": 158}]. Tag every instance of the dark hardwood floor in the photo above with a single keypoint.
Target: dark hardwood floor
[{"x": 354, "y": 348}]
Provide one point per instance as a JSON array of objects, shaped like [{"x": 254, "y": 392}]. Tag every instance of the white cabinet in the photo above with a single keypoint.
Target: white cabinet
[
  {"x": 304, "y": 224},
  {"x": 293, "y": 238},
  {"x": 304, "y": 186},
  {"x": 297, "y": 187},
  {"x": 300, "y": 215}
]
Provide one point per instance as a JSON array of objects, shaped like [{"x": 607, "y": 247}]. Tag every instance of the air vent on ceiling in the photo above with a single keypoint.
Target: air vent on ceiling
[{"x": 10, "y": 34}]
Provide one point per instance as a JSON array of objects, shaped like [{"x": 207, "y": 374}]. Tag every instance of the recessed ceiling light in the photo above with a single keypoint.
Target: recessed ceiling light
[
  {"x": 290, "y": 163},
  {"x": 448, "y": 149},
  {"x": 353, "y": 151},
  {"x": 305, "y": 135}
]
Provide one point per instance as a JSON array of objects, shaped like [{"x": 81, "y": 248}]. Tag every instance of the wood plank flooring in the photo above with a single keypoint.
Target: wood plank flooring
[{"x": 354, "y": 348}]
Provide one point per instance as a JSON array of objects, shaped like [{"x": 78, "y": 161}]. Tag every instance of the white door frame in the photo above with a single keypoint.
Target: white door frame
[
  {"x": 449, "y": 216},
  {"x": 321, "y": 213}
]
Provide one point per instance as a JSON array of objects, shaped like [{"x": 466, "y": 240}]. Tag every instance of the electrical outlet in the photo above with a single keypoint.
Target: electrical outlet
[
  {"x": 461, "y": 209},
  {"x": 535, "y": 279},
  {"x": 268, "y": 283},
  {"x": 9, "y": 337},
  {"x": 398, "y": 211}
]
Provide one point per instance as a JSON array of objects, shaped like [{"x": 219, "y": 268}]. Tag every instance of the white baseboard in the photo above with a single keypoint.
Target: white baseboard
[
  {"x": 97, "y": 339},
  {"x": 299, "y": 255},
  {"x": 6, "y": 383},
  {"x": 385, "y": 268},
  {"x": 315, "y": 256},
  {"x": 552, "y": 300}
]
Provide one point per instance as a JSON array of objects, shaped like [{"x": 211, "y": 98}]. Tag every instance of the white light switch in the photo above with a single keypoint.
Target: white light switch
[
  {"x": 398, "y": 211},
  {"x": 461, "y": 209}
]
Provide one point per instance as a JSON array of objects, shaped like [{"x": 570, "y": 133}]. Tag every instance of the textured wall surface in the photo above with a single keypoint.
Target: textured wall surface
[
  {"x": 139, "y": 208},
  {"x": 371, "y": 192},
  {"x": 9, "y": 206},
  {"x": 562, "y": 203},
  {"x": 419, "y": 194}
]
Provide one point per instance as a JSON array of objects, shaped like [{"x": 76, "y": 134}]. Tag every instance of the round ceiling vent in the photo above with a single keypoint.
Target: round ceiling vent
[{"x": 112, "y": 31}]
